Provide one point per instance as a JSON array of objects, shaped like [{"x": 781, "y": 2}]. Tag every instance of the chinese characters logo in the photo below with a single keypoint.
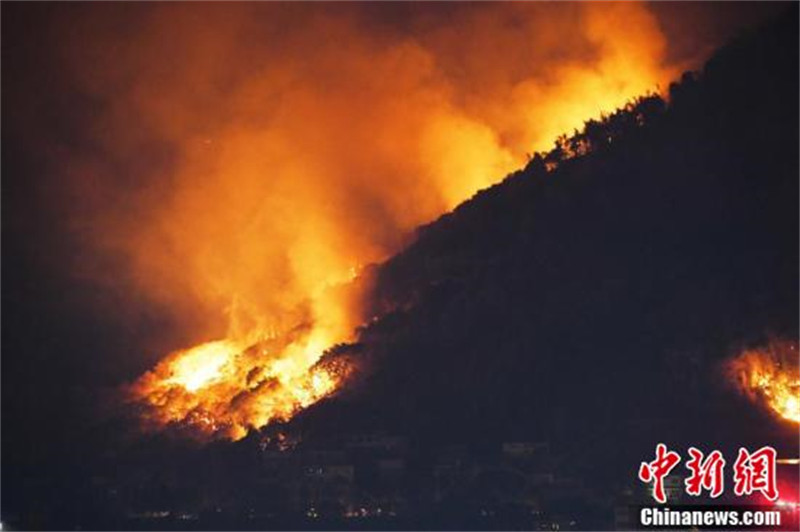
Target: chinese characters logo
[{"x": 752, "y": 472}]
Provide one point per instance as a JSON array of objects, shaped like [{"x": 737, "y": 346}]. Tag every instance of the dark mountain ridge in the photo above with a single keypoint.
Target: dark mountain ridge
[{"x": 596, "y": 291}]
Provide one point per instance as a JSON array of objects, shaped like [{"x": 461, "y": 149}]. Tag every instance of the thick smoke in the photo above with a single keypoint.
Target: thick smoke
[{"x": 253, "y": 155}]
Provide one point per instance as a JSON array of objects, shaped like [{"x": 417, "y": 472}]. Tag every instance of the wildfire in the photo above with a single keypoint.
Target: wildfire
[
  {"x": 224, "y": 388},
  {"x": 771, "y": 376},
  {"x": 293, "y": 159}
]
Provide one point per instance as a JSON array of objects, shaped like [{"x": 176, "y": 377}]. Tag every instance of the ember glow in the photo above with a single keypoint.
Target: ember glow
[
  {"x": 303, "y": 141},
  {"x": 770, "y": 376}
]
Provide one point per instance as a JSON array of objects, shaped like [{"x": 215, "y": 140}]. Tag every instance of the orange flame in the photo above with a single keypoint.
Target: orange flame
[
  {"x": 222, "y": 388},
  {"x": 303, "y": 141},
  {"x": 770, "y": 376}
]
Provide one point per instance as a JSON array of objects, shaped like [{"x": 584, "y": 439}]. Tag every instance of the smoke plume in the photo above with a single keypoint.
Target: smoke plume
[{"x": 249, "y": 158}]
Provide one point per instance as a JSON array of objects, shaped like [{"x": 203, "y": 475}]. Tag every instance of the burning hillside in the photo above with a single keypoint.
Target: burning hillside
[
  {"x": 224, "y": 389},
  {"x": 270, "y": 208},
  {"x": 232, "y": 189},
  {"x": 322, "y": 158},
  {"x": 770, "y": 376},
  {"x": 216, "y": 208},
  {"x": 600, "y": 297}
]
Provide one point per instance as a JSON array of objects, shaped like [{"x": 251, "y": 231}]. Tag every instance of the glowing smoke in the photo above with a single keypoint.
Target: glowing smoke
[{"x": 271, "y": 150}]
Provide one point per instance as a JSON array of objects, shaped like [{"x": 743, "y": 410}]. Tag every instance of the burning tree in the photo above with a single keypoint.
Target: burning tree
[{"x": 770, "y": 375}]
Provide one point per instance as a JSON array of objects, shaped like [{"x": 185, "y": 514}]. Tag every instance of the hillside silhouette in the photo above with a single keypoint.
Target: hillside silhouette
[{"x": 589, "y": 298}]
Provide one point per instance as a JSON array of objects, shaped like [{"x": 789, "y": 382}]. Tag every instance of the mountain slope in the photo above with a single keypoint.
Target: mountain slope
[{"x": 575, "y": 304}]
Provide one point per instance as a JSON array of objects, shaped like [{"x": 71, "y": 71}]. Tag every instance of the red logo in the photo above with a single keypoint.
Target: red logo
[
  {"x": 659, "y": 468},
  {"x": 755, "y": 472},
  {"x": 752, "y": 472},
  {"x": 706, "y": 474}
]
